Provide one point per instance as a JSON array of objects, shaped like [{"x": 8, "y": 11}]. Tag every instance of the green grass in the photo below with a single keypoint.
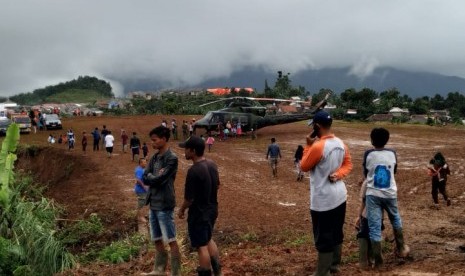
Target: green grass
[
  {"x": 76, "y": 96},
  {"x": 299, "y": 240},
  {"x": 250, "y": 237},
  {"x": 123, "y": 250}
]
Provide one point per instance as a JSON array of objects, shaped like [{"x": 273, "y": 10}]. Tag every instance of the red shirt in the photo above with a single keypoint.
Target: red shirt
[{"x": 125, "y": 138}]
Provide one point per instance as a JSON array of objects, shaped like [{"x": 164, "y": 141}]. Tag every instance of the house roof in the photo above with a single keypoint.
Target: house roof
[
  {"x": 398, "y": 110},
  {"x": 380, "y": 117},
  {"x": 226, "y": 91}
]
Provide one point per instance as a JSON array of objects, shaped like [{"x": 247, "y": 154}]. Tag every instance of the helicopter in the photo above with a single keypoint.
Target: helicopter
[{"x": 251, "y": 115}]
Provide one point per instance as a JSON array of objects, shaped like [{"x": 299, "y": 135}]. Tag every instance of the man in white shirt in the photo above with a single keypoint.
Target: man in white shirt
[{"x": 109, "y": 140}]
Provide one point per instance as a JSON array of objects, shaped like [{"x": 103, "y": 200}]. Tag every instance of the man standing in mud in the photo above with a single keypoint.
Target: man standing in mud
[
  {"x": 134, "y": 143},
  {"x": 104, "y": 133},
  {"x": 328, "y": 160},
  {"x": 200, "y": 197},
  {"x": 159, "y": 175},
  {"x": 273, "y": 153},
  {"x": 96, "y": 137}
]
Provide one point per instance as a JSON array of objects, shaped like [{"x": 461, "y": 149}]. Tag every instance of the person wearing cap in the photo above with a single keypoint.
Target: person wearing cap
[
  {"x": 159, "y": 175},
  {"x": 200, "y": 197},
  {"x": 273, "y": 154},
  {"x": 328, "y": 160}
]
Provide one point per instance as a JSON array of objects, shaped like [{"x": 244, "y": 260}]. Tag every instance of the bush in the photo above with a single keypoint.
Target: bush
[
  {"x": 82, "y": 230},
  {"x": 122, "y": 251},
  {"x": 10, "y": 257}
]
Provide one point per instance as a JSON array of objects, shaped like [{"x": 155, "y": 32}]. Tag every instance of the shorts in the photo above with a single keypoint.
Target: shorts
[
  {"x": 162, "y": 226},
  {"x": 109, "y": 149},
  {"x": 141, "y": 198},
  {"x": 200, "y": 232},
  {"x": 273, "y": 161}
]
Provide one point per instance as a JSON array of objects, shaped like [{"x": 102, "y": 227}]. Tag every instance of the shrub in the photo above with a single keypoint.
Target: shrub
[
  {"x": 82, "y": 230},
  {"x": 10, "y": 257},
  {"x": 122, "y": 251}
]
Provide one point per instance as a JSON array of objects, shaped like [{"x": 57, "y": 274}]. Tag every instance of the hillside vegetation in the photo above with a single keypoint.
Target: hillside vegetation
[
  {"x": 76, "y": 96},
  {"x": 88, "y": 88}
]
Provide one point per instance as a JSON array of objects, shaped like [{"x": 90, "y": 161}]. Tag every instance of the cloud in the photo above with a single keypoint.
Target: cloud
[
  {"x": 185, "y": 42},
  {"x": 364, "y": 67}
]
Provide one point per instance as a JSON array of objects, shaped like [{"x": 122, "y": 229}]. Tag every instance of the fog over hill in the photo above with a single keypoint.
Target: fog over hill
[{"x": 414, "y": 84}]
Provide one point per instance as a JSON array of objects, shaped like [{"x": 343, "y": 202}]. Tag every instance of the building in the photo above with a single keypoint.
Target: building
[
  {"x": 226, "y": 91},
  {"x": 419, "y": 118},
  {"x": 380, "y": 118},
  {"x": 398, "y": 112}
]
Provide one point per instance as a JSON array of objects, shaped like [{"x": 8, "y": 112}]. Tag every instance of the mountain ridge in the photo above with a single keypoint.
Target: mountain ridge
[{"x": 414, "y": 84}]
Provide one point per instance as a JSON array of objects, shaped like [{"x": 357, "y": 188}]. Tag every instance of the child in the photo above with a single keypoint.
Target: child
[
  {"x": 145, "y": 150},
  {"x": 70, "y": 139},
  {"x": 210, "y": 141},
  {"x": 438, "y": 172},
  {"x": 51, "y": 139},
  {"x": 379, "y": 167},
  {"x": 141, "y": 191},
  {"x": 84, "y": 142},
  {"x": 298, "y": 157}
]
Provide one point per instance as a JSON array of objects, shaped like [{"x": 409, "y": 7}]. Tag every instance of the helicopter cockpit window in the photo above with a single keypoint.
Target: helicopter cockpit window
[{"x": 215, "y": 119}]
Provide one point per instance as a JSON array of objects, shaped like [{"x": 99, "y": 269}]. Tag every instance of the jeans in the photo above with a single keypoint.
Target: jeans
[
  {"x": 162, "y": 226},
  {"x": 375, "y": 206}
]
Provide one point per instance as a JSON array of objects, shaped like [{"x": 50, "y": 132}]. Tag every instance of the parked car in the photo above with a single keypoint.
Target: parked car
[
  {"x": 23, "y": 121},
  {"x": 4, "y": 124},
  {"x": 94, "y": 112},
  {"x": 52, "y": 121}
]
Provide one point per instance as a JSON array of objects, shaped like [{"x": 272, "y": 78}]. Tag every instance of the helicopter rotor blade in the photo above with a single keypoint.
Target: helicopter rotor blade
[
  {"x": 213, "y": 102},
  {"x": 321, "y": 104}
]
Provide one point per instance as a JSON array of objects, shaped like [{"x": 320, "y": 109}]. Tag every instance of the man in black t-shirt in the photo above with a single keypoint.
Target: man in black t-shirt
[
  {"x": 134, "y": 144},
  {"x": 200, "y": 197},
  {"x": 104, "y": 133}
]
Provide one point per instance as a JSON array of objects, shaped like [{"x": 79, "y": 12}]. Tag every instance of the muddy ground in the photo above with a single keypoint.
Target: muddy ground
[{"x": 264, "y": 226}]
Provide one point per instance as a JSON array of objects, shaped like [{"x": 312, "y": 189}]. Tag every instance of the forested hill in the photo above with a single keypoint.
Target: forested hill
[{"x": 83, "y": 90}]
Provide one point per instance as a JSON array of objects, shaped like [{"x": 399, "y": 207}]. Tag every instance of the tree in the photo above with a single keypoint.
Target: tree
[
  {"x": 243, "y": 93},
  {"x": 268, "y": 91},
  {"x": 437, "y": 102},
  {"x": 420, "y": 106},
  {"x": 282, "y": 87}
]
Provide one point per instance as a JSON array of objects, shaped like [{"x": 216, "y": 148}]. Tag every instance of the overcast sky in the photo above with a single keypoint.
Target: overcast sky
[{"x": 184, "y": 42}]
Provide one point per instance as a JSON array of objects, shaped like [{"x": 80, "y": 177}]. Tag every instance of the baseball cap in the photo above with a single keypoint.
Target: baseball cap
[
  {"x": 194, "y": 142},
  {"x": 321, "y": 117}
]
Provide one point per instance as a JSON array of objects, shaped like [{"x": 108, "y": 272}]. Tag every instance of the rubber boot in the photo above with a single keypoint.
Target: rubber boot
[
  {"x": 402, "y": 248},
  {"x": 363, "y": 259},
  {"x": 161, "y": 260},
  {"x": 203, "y": 272},
  {"x": 324, "y": 263},
  {"x": 175, "y": 265},
  {"x": 377, "y": 253},
  {"x": 337, "y": 252},
  {"x": 216, "y": 266}
]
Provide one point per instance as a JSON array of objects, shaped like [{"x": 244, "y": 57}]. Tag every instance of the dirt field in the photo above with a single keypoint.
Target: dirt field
[{"x": 264, "y": 226}]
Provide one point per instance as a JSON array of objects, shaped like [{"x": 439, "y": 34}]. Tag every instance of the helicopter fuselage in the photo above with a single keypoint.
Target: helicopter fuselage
[{"x": 212, "y": 120}]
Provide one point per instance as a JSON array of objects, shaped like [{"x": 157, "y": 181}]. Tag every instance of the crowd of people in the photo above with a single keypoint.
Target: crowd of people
[{"x": 325, "y": 158}]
